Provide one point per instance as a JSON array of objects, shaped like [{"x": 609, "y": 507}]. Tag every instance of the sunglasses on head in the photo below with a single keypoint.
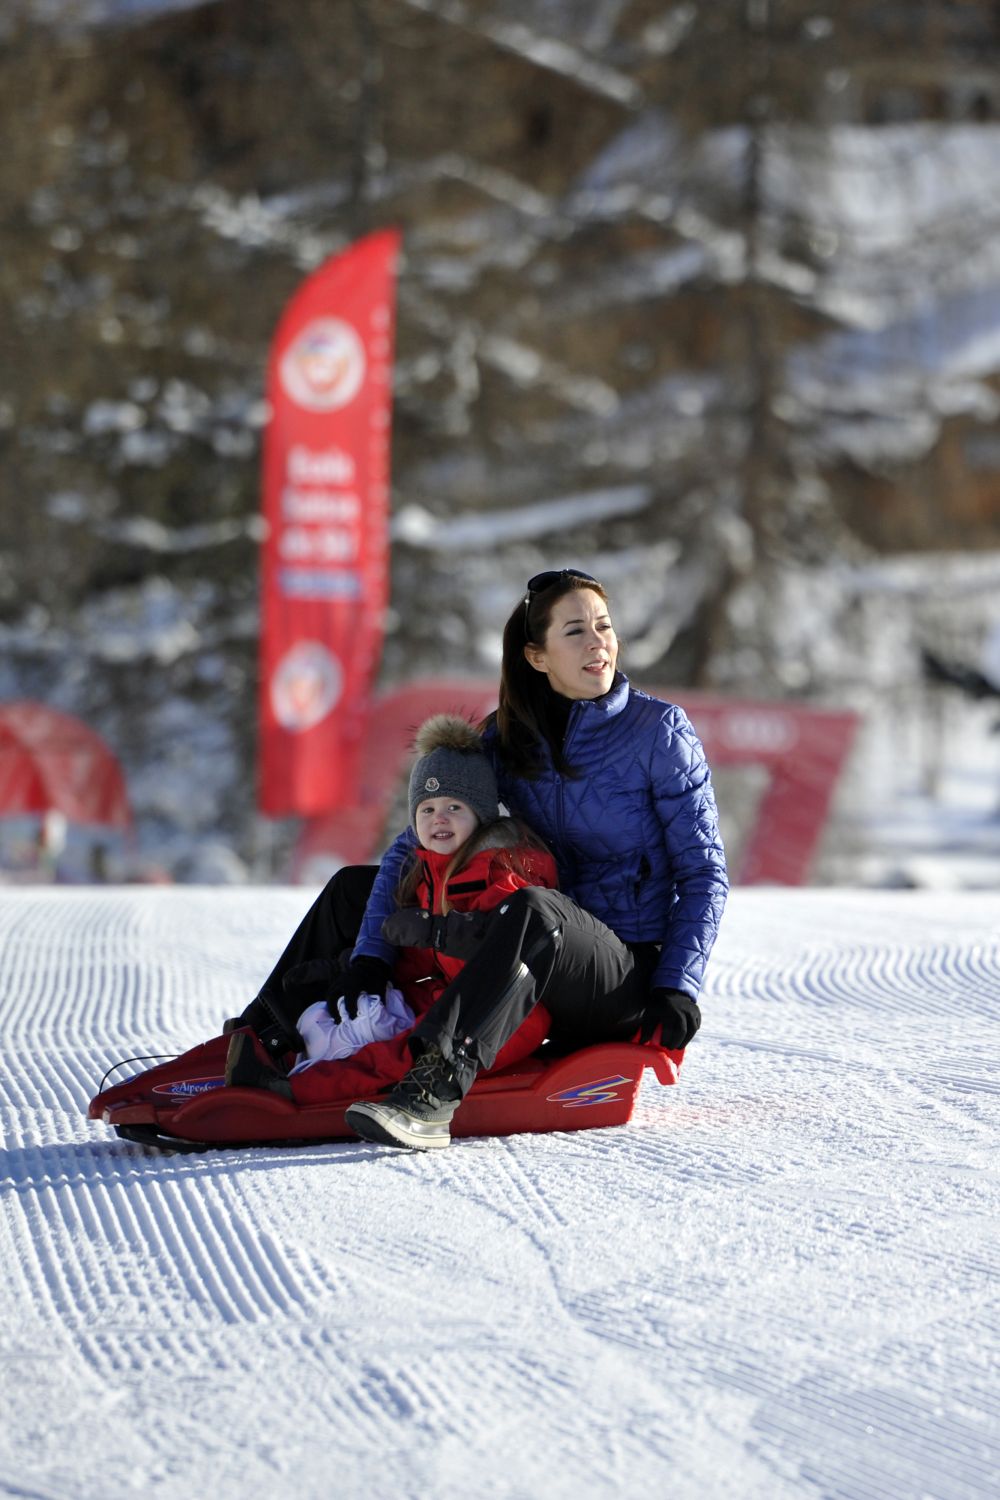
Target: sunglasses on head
[{"x": 546, "y": 580}]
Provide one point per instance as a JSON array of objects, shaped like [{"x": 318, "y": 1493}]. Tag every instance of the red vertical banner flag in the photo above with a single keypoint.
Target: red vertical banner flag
[{"x": 325, "y": 555}]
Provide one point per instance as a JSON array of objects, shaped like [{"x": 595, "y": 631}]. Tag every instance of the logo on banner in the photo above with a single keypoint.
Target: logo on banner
[
  {"x": 323, "y": 368},
  {"x": 306, "y": 685}
]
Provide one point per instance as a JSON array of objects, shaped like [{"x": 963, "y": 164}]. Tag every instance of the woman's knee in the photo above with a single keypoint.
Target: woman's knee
[
  {"x": 349, "y": 889},
  {"x": 530, "y": 899},
  {"x": 352, "y": 879}
]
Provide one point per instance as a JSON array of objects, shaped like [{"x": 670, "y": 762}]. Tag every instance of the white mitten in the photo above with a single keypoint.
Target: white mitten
[{"x": 329, "y": 1040}]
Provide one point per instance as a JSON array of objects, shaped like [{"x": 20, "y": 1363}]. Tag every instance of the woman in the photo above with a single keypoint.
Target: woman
[{"x": 617, "y": 784}]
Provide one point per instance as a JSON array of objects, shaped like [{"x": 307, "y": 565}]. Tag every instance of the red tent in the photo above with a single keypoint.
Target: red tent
[{"x": 52, "y": 761}]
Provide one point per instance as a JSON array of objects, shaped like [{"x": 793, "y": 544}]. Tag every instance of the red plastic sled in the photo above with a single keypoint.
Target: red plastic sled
[{"x": 183, "y": 1104}]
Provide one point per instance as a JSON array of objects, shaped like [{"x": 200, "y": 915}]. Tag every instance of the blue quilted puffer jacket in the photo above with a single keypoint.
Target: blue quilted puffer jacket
[{"x": 635, "y": 832}]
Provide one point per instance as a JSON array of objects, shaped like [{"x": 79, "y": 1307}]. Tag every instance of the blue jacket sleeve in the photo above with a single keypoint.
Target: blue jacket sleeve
[
  {"x": 685, "y": 803},
  {"x": 381, "y": 902}
]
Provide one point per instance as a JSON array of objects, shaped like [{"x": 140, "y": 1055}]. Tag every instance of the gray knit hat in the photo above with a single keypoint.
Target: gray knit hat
[{"x": 451, "y": 763}]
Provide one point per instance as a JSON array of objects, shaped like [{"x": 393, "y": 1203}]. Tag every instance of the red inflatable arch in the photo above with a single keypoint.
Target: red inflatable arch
[{"x": 51, "y": 761}]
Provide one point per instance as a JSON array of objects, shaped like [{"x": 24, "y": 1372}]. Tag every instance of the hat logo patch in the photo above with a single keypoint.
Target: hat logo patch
[{"x": 432, "y": 784}]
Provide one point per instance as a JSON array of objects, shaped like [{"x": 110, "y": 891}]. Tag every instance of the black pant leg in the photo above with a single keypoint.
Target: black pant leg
[
  {"x": 596, "y": 986},
  {"x": 328, "y": 930},
  {"x": 540, "y": 946},
  {"x": 331, "y": 924}
]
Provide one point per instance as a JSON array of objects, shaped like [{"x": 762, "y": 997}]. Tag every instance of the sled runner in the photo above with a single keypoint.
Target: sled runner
[{"x": 184, "y": 1104}]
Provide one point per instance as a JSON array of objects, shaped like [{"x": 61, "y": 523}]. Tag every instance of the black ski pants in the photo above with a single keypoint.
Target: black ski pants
[
  {"x": 540, "y": 946},
  {"x": 329, "y": 930},
  {"x": 330, "y": 927}
]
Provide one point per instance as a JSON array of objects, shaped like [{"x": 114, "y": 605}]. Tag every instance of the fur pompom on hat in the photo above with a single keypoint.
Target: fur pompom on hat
[{"x": 451, "y": 763}]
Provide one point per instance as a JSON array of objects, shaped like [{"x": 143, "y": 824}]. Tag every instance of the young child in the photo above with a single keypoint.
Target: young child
[{"x": 467, "y": 860}]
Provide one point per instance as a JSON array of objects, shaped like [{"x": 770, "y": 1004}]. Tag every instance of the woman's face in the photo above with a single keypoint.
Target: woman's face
[
  {"x": 580, "y": 649},
  {"x": 444, "y": 823}
]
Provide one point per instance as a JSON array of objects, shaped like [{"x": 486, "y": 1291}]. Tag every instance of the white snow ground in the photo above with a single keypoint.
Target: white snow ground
[{"x": 780, "y": 1280}]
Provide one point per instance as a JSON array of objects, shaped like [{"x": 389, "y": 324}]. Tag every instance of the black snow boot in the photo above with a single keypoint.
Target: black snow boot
[
  {"x": 417, "y": 1112},
  {"x": 272, "y": 1026},
  {"x": 246, "y": 1069}
]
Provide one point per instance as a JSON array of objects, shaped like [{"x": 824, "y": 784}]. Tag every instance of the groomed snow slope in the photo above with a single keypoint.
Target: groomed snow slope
[{"x": 780, "y": 1280}]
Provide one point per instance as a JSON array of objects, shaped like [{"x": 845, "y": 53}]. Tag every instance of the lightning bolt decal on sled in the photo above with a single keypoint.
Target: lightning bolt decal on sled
[{"x": 601, "y": 1091}]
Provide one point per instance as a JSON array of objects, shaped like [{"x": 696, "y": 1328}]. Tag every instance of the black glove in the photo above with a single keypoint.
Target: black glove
[
  {"x": 363, "y": 976},
  {"x": 464, "y": 931},
  {"x": 672, "y": 1014},
  {"x": 458, "y": 934},
  {"x": 410, "y": 927}
]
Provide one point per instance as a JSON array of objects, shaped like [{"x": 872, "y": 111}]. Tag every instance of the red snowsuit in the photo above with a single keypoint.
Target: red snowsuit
[{"x": 423, "y": 973}]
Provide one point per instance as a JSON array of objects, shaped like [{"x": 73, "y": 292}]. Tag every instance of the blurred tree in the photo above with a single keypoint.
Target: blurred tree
[{"x": 696, "y": 290}]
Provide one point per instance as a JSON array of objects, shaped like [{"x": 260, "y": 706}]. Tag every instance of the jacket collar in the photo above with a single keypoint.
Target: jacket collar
[
  {"x": 502, "y": 833},
  {"x": 434, "y": 862},
  {"x": 596, "y": 710}
]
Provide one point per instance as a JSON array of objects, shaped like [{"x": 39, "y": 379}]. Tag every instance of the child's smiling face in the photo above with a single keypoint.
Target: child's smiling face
[{"x": 443, "y": 823}]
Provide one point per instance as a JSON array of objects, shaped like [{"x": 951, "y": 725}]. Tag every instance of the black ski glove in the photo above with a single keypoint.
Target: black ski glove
[
  {"x": 363, "y": 976},
  {"x": 410, "y": 927},
  {"x": 670, "y": 1017},
  {"x": 458, "y": 935}
]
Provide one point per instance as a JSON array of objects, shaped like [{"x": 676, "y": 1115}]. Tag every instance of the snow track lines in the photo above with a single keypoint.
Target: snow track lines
[
  {"x": 90, "y": 1233},
  {"x": 879, "y": 1441},
  {"x": 778, "y": 1282}
]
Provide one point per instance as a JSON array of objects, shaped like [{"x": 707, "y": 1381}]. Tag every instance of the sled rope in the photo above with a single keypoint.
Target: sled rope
[{"x": 146, "y": 1057}]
